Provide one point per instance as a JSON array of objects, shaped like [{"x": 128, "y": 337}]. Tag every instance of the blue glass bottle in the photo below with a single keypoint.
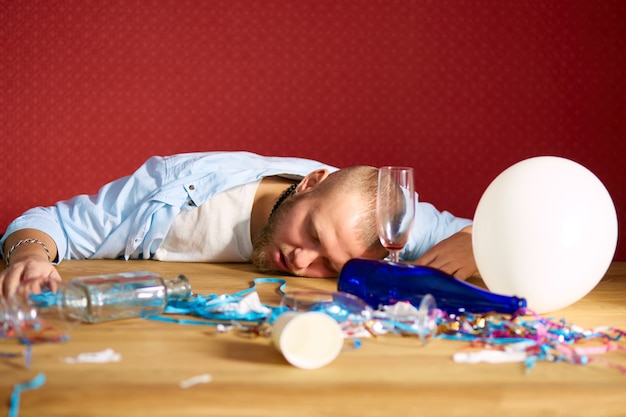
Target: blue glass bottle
[{"x": 385, "y": 283}]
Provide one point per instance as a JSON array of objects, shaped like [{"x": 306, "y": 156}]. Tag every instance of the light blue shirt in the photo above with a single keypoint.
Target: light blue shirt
[{"x": 129, "y": 218}]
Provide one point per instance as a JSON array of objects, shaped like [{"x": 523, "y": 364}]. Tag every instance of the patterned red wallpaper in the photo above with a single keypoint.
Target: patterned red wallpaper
[{"x": 459, "y": 89}]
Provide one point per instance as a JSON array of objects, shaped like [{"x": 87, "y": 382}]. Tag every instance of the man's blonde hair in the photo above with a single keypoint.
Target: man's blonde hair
[{"x": 362, "y": 181}]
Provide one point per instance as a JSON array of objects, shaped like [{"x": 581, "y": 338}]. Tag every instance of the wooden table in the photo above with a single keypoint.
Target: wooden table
[{"x": 387, "y": 376}]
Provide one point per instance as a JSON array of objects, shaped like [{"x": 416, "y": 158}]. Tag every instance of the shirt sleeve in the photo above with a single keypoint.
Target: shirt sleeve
[
  {"x": 81, "y": 224},
  {"x": 430, "y": 227}
]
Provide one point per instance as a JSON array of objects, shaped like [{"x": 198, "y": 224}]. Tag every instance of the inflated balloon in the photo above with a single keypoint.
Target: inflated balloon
[{"x": 546, "y": 230}]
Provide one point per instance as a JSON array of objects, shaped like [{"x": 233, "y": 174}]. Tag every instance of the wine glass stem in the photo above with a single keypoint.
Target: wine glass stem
[{"x": 394, "y": 255}]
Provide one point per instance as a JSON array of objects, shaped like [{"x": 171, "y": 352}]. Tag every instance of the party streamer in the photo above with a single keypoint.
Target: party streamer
[
  {"x": 528, "y": 337},
  {"x": 35, "y": 383}
]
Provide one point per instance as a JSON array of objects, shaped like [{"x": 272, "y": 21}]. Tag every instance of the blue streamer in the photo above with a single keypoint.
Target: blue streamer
[
  {"x": 35, "y": 383},
  {"x": 207, "y": 307}
]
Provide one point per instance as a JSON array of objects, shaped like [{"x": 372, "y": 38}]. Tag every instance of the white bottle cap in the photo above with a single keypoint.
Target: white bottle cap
[{"x": 307, "y": 340}]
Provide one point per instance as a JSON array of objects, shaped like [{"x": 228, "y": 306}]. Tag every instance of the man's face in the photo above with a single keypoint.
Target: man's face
[{"x": 312, "y": 237}]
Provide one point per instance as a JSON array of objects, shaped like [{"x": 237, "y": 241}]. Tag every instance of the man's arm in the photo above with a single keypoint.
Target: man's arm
[
  {"x": 29, "y": 253},
  {"x": 453, "y": 255}
]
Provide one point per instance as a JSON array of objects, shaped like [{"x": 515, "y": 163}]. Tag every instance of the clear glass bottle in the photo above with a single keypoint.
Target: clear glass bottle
[
  {"x": 385, "y": 283},
  {"x": 90, "y": 299},
  {"x": 98, "y": 298}
]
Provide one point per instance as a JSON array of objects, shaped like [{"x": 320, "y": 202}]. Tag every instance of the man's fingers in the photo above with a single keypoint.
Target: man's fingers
[{"x": 30, "y": 275}]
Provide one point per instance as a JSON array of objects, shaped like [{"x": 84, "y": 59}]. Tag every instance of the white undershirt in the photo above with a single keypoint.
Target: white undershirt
[{"x": 216, "y": 231}]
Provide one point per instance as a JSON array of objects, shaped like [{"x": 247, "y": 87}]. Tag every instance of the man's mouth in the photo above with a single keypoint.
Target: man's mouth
[{"x": 281, "y": 261}]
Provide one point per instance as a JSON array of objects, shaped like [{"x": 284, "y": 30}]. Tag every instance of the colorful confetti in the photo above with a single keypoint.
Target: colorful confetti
[{"x": 528, "y": 337}]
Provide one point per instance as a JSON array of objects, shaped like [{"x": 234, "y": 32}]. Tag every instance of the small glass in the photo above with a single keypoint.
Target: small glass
[
  {"x": 339, "y": 305},
  {"x": 35, "y": 318},
  {"x": 395, "y": 208},
  {"x": 353, "y": 314}
]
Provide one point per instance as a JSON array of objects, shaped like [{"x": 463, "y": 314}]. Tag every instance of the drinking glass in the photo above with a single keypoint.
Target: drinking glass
[{"x": 395, "y": 208}]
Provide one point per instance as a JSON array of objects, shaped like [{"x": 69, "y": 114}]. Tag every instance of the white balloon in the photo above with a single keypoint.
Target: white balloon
[{"x": 545, "y": 229}]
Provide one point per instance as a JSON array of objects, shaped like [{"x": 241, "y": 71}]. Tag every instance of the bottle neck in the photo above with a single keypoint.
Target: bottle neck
[{"x": 178, "y": 288}]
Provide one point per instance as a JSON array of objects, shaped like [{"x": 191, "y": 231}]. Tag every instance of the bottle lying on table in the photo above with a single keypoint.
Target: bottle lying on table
[
  {"x": 98, "y": 298},
  {"x": 386, "y": 283},
  {"x": 91, "y": 299}
]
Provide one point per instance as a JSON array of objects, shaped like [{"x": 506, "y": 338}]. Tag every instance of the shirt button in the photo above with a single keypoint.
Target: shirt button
[
  {"x": 192, "y": 187},
  {"x": 191, "y": 203}
]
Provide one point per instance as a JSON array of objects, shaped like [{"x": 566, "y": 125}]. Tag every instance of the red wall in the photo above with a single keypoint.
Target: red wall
[{"x": 458, "y": 89}]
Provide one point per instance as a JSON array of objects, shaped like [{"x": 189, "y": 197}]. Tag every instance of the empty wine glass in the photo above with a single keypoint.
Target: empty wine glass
[{"x": 395, "y": 208}]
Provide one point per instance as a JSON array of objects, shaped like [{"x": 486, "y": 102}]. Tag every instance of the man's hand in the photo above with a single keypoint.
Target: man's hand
[
  {"x": 29, "y": 263},
  {"x": 30, "y": 274},
  {"x": 453, "y": 255}
]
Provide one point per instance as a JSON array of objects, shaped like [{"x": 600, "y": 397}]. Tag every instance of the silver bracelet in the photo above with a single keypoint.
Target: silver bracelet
[{"x": 23, "y": 241}]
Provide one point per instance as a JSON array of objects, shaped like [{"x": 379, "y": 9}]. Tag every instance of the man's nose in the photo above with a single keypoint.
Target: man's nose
[{"x": 303, "y": 258}]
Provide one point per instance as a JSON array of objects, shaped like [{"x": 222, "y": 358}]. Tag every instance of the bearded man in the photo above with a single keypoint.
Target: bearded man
[{"x": 290, "y": 215}]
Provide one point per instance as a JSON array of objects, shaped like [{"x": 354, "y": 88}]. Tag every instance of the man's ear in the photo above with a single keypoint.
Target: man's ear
[{"x": 312, "y": 180}]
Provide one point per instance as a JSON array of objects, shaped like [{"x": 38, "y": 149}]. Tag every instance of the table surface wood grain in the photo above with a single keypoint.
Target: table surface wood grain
[{"x": 387, "y": 376}]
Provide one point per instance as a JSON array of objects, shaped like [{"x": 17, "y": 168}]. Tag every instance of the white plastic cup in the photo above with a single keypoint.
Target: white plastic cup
[{"x": 307, "y": 340}]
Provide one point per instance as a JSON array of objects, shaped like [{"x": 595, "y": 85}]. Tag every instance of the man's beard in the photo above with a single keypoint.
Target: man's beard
[
  {"x": 266, "y": 237},
  {"x": 259, "y": 249}
]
